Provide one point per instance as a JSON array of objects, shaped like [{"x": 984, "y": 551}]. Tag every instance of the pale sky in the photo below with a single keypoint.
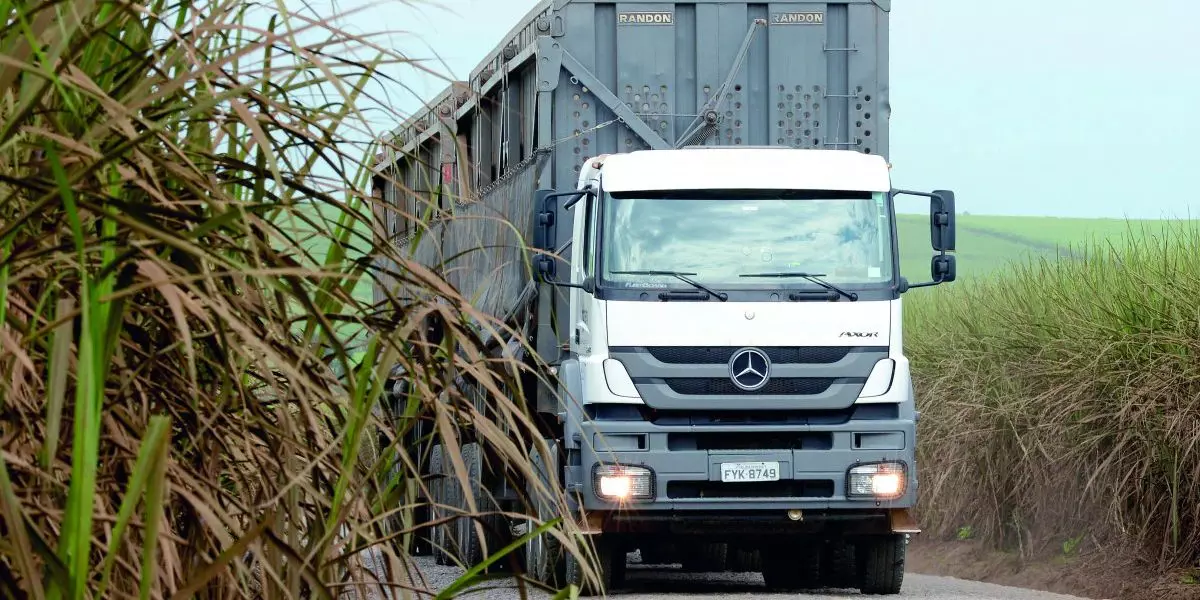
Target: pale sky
[{"x": 1023, "y": 107}]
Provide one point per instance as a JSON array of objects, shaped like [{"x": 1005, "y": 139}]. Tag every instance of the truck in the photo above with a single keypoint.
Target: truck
[{"x": 686, "y": 209}]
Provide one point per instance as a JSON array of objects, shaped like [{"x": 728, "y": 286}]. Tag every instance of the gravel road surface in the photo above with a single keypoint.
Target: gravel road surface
[{"x": 665, "y": 583}]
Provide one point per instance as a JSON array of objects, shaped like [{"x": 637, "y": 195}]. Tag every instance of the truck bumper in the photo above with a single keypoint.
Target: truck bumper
[{"x": 686, "y": 486}]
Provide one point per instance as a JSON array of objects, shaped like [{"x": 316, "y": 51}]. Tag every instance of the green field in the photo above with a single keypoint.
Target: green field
[{"x": 986, "y": 244}]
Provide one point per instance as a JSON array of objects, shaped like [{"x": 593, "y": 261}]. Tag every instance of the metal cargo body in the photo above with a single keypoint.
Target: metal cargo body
[{"x": 579, "y": 78}]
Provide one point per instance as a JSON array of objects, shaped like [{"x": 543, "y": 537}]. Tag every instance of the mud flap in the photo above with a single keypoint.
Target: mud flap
[{"x": 902, "y": 521}]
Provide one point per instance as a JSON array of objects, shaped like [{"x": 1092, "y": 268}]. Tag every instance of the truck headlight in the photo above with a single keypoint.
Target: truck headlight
[
  {"x": 620, "y": 482},
  {"x": 879, "y": 481}
]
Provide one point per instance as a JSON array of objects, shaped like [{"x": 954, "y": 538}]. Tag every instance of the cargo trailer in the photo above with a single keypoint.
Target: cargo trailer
[{"x": 686, "y": 207}]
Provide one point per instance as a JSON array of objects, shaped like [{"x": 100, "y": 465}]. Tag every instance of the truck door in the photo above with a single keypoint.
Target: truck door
[{"x": 582, "y": 267}]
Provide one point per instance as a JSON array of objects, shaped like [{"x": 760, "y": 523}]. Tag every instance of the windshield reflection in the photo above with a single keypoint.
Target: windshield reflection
[{"x": 722, "y": 235}]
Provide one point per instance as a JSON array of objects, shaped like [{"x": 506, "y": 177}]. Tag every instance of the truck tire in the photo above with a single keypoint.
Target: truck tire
[
  {"x": 437, "y": 496},
  {"x": 610, "y": 559},
  {"x": 707, "y": 557},
  {"x": 788, "y": 568},
  {"x": 838, "y": 565},
  {"x": 543, "y": 554},
  {"x": 496, "y": 527},
  {"x": 881, "y": 564},
  {"x": 462, "y": 540},
  {"x": 470, "y": 546}
]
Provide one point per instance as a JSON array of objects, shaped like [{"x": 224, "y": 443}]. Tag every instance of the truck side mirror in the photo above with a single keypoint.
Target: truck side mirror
[
  {"x": 545, "y": 228},
  {"x": 941, "y": 220},
  {"x": 941, "y": 237},
  {"x": 545, "y": 233},
  {"x": 546, "y": 268},
  {"x": 545, "y": 218},
  {"x": 546, "y": 271},
  {"x": 943, "y": 268}
]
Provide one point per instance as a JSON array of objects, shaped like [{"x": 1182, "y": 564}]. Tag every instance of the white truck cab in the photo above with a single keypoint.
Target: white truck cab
[{"x": 736, "y": 375}]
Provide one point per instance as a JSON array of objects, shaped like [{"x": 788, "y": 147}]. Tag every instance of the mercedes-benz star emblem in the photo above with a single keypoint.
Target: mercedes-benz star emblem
[{"x": 750, "y": 369}]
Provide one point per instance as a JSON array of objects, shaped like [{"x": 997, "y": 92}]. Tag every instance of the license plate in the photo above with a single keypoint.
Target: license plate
[{"x": 749, "y": 471}]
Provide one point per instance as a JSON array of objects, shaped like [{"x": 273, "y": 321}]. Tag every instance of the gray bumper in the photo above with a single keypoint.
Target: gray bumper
[{"x": 812, "y": 478}]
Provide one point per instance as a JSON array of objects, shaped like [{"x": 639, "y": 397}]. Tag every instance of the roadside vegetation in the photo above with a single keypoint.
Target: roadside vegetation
[
  {"x": 1060, "y": 399},
  {"x": 192, "y": 366},
  {"x": 182, "y": 414}
]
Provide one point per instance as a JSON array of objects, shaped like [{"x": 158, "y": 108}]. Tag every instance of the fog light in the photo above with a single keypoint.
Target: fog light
[
  {"x": 880, "y": 481},
  {"x": 620, "y": 482}
]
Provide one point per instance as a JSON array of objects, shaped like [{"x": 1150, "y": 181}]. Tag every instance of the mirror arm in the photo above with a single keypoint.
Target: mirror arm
[
  {"x": 912, "y": 193},
  {"x": 587, "y": 191},
  {"x": 926, "y": 284},
  {"x": 588, "y": 285},
  {"x": 575, "y": 195},
  {"x": 579, "y": 286}
]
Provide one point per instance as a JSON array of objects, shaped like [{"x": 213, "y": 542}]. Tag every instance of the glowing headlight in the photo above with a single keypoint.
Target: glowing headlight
[
  {"x": 619, "y": 482},
  {"x": 881, "y": 481}
]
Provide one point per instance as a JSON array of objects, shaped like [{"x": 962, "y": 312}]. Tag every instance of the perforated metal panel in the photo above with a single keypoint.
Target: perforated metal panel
[{"x": 813, "y": 74}]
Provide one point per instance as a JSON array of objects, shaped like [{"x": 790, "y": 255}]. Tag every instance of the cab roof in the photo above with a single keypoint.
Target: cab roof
[{"x": 725, "y": 167}]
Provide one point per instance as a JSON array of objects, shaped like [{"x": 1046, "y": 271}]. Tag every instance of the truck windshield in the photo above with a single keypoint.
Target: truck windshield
[{"x": 721, "y": 235}]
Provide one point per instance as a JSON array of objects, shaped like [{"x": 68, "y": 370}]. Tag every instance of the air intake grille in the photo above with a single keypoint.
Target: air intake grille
[
  {"x": 815, "y": 488},
  {"x": 722, "y": 354},
  {"x": 723, "y": 386}
]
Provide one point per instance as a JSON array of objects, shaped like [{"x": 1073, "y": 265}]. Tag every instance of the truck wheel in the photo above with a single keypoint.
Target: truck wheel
[
  {"x": 792, "y": 568},
  {"x": 466, "y": 530},
  {"x": 708, "y": 557},
  {"x": 462, "y": 540},
  {"x": 437, "y": 495},
  {"x": 838, "y": 565},
  {"x": 543, "y": 554},
  {"x": 881, "y": 564},
  {"x": 496, "y": 527},
  {"x": 610, "y": 561}
]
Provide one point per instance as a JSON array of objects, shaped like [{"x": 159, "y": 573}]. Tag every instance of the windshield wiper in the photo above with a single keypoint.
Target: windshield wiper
[
  {"x": 722, "y": 296},
  {"x": 811, "y": 277}
]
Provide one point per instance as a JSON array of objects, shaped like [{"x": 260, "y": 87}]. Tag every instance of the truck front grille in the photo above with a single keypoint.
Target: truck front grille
[
  {"x": 733, "y": 417},
  {"x": 788, "y": 488},
  {"x": 751, "y": 440},
  {"x": 691, "y": 377},
  {"x": 709, "y": 355},
  {"x": 723, "y": 386}
]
